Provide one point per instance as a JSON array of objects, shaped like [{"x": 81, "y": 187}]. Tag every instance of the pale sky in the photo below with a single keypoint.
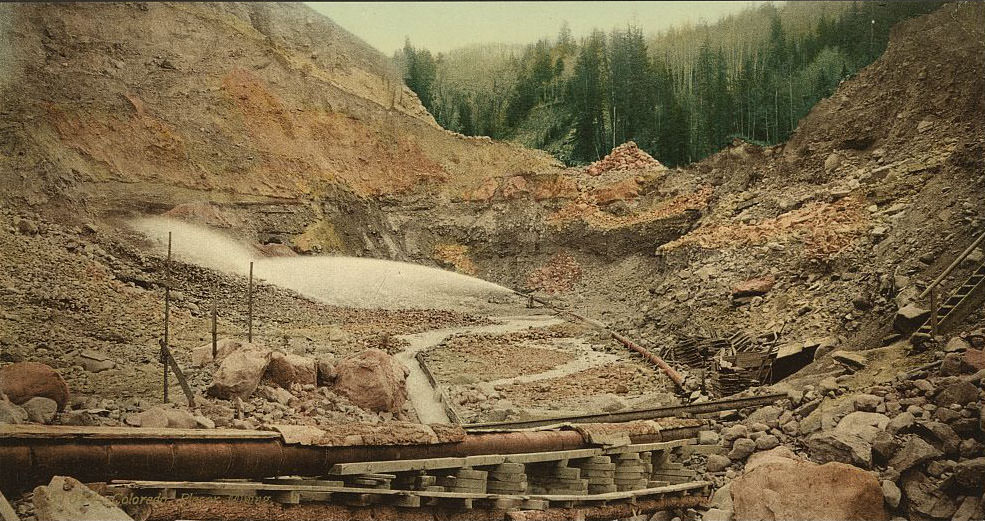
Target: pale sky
[{"x": 442, "y": 26}]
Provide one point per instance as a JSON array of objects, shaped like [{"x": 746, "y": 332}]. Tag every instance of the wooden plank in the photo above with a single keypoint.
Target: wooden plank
[
  {"x": 405, "y": 500},
  {"x": 303, "y": 481},
  {"x": 484, "y": 460},
  {"x": 7, "y": 512},
  {"x": 535, "y": 457},
  {"x": 649, "y": 447},
  {"x": 128, "y": 433},
  {"x": 369, "y": 467},
  {"x": 260, "y": 487}
]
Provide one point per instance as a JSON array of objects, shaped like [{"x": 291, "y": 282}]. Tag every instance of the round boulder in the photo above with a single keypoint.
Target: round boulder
[
  {"x": 22, "y": 381},
  {"x": 372, "y": 380}
]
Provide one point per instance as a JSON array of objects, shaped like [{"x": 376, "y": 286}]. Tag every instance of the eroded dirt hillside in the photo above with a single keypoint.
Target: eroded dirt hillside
[{"x": 166, "y": 103}]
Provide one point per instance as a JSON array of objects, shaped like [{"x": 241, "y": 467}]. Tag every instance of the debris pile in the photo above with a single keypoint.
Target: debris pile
[
  {"x": 916, "y": 438},
  {"x": 557, "y": 276},
  {"x": 626, "y": 156}
]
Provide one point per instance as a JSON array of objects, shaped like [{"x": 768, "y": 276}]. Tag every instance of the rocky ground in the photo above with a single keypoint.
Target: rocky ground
[
  {"x": 820, "y": 240},
  {"x": 887, "y": 443}
]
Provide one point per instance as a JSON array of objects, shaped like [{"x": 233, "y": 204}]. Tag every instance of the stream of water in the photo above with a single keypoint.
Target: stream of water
[{"x": 343, "y": 281}]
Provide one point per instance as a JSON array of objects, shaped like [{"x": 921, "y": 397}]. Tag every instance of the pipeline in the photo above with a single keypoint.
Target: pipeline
[
  {"x": 31, "y": 456},
  {"x": 639, "y": 414},
  {"x": 647, "y": 354}
]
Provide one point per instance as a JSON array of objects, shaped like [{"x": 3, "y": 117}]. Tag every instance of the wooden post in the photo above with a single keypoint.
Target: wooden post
[
  {"x": 933, "y": 312},
  {"x": 249, "y": 311},
  {"x": 167, "y": 317},
  {"x": 215, "y": 329}
]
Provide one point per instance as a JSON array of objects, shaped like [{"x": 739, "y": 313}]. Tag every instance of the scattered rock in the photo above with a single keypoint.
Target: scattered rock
[
  {"x": 902, "y": 421},
  {"x": 40, "y": 409},
  {"x": 852, "y": 360},
  {"x": 914, "y": 452},
  {"x": 956, "y": 344},
  {"x": 839, "y": 446},
  {"x": 925, "y": 497},
  {"x": 767, "y": 442},
  {"x": 971, "y": 474},
  {"x": 891, "y": 494},
  {"x": 863, "y": 424},
  {"x": 909, "y": 318},
  {"x": 66, "y": 499},
  {"x": 12, "y": 413},
  {"x": 742, "y": 448},
  {"x": 95, "y": 362},
  {"x": 276, "y": 394},
  {"x": 326, "y": 371},
  {"x": 961, "y": 393},
  {"x": 753, "y": 287},
  {"x": 22, "y": 381},
  {"x": 717, "y": 463}
]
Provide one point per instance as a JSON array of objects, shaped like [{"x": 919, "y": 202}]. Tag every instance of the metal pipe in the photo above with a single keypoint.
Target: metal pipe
[
  {"x": 947, "y": 271},
  {"x": 28, "y": 457},
  {"x": 659, "y": 362}
]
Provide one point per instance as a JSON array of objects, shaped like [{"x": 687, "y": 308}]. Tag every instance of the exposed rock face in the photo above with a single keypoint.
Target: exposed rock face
[
  {"x": 22, "y": 381},
  {"x": 788, "y": 488},
  {"x": 286, "y": 370},
  {"x": 66, "y": 499},
  {"x": 239, "y": 374},
  {"x": 372, "y": 380}
]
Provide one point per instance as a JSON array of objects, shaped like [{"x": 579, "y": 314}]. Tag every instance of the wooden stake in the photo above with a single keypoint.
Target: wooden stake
[
  {"x": 215, "y": 330},
  {"x": 249, "y": 311},
  {"x": 167, "y": 317},
  {"x": 933, "y": 312}
]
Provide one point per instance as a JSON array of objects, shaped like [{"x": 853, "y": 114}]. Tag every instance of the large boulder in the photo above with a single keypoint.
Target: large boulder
[
  {"x": 288, "y": 369},
  {"x": 372, "y": 380},
  {"x": 239, "y": 374},
  {"x": 784, "y": 487},
  {"x": 66, "y": 499},
  {"x": 22, "y": 381}
]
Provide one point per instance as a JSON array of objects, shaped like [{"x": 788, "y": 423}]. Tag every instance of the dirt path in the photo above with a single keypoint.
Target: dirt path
[
  {"x": 587, "y": 358},
  {"x": 424, "y": 397}
]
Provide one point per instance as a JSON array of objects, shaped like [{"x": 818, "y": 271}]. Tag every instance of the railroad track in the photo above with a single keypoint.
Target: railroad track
[
  {"x": 683, "y": 411},
  {"x": 589, "y": 483}
]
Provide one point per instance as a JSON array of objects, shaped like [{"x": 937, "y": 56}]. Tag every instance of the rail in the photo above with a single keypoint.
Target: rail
[
  {"x": 659, "y": 362},
  {"x": 625, "y": 416}
]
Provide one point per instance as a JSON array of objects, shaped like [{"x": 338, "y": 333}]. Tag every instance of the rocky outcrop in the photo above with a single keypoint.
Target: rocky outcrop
[
  {"x": 372, "y": 380},
  {"x": 22, "y": 381}
]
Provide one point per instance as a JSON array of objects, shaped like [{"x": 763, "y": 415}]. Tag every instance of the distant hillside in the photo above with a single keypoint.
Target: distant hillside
[{"x": 682, "y": 94}]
